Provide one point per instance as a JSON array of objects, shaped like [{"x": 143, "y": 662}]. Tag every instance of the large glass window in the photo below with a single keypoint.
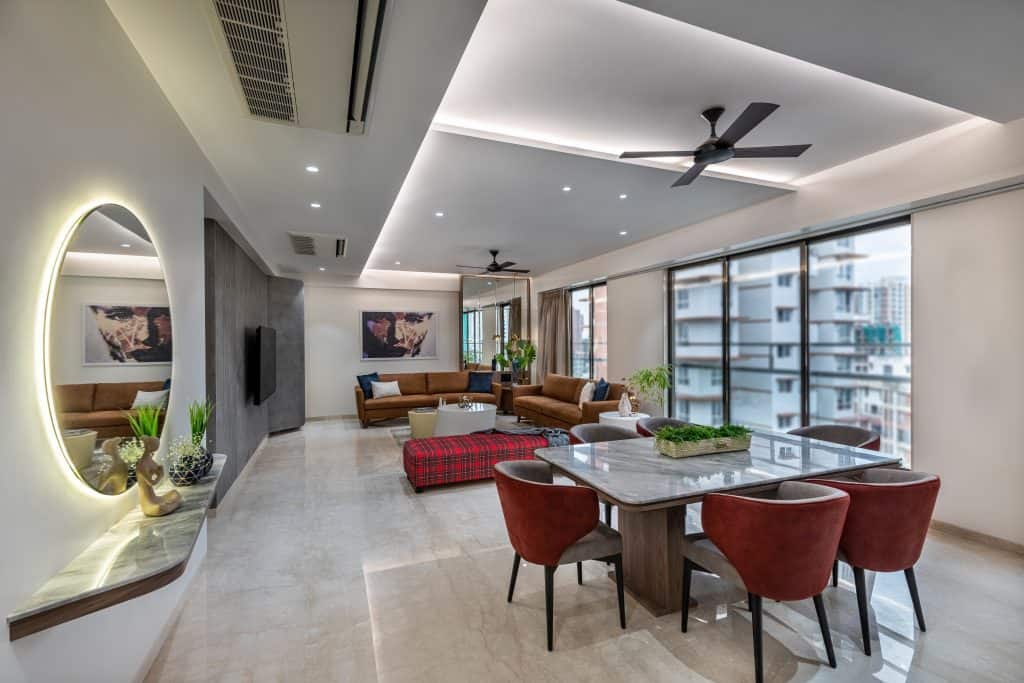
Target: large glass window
[
  {"x": 588, "y": 329},
  {"x": 473, "y": 336},
  {"x": 697, "y": 343},
  {"x": 817, "y": 332},
  {"x": 763, "y": 337}
]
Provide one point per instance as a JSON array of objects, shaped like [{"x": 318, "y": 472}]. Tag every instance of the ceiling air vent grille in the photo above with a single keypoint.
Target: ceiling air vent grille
[
  {"x": 257, "y": 38},
  {"x": 318, "y": 245}
]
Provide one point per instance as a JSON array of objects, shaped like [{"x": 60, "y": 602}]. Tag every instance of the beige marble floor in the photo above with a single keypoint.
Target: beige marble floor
[{"x": 325, "y": 566}]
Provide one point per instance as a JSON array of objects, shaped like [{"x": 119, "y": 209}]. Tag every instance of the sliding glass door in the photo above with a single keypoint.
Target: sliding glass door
[
  {"x": 588, "y": 331},
  {"x": 696, "y": 343}
]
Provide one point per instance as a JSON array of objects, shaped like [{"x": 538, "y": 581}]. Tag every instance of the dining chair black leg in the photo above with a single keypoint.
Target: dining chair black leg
[
  {"x": 687, "y": 579},
  {"x": 620, "y": 588},
  {"x": 912, "y": 585},
  {"x": 608, "y": 514},
  {"x": 835, "y": 574},
  {"x": 549, "y": 604},
  {"x": 579, "y": 573},
  {"x": 826, "y": 635},
  {"x": 862, "y": 607},
  {"x": 515, "y": 573},
  {"x": 755, "y": 621}
]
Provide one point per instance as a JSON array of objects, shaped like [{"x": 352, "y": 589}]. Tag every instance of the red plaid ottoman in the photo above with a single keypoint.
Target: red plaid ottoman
[{"x": 463, "y": 457}]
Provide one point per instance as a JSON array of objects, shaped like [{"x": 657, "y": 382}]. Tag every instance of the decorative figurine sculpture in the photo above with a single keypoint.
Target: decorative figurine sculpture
[
  {"x": 149, "y": 474},
  {"x": 625, "y": 405},
  {"x": 113, "y": 478}
]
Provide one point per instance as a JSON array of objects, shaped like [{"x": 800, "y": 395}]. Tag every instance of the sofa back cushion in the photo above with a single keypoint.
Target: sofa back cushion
[
  {"x": 408, "y": 382},
  {"x": 615, "y": 391},
  {"x": 74, "y": 398},
  {"x": 562, "y": 388},
  {"x": 447, "y": 382},
  {"x": 120, "y": 395}
]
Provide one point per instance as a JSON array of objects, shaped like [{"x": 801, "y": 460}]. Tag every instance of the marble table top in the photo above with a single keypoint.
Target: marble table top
[
  {"x": 134, "y": 549},
  {"x": 633, "y": 473}
]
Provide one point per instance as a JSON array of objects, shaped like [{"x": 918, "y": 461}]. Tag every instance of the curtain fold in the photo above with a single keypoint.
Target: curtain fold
[{"x": 553, "y": 327}]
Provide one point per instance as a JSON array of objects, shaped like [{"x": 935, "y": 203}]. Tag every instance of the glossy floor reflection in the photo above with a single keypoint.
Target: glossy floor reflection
[{"x": 325, "y": 566}]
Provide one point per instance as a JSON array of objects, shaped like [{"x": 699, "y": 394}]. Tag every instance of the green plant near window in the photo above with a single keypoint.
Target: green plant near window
[
  {"x": 694, "y": 432},
  {"x": 145, "y": 421},
  {"x": 199, "y": 413},
  {"x": 651, "y": 383},
  {"x": 519, "y": 353}
]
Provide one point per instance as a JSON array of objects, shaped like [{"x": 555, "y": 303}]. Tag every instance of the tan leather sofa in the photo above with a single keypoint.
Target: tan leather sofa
[
  {"x": 419, "y": 390},
  {"x": 100, "y": 407},
  {"x": 555, "y": 403}
]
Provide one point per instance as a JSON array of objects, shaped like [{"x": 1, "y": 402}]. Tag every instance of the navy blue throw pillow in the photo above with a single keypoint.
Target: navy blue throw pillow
[
  {"x": 601, "y": 390},
  {"x": 480, "y": 382},
  {"x": 167, "y": 384},
  {"x": 364, "y": 383}
]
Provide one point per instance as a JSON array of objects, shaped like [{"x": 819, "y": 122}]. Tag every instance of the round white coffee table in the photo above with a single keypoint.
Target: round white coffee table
[
  {"x": 451, "y": 419},
  {"x": 628, "y": 421}
]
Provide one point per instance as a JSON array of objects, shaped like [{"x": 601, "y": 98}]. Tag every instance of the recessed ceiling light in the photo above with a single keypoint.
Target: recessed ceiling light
[
  {"x": 314, "y": 205},
  {"x": 322, "y": 268},
  {"x": 566, "y": 188},
  {"x": 623, "y": 196},
  {"x": 313, "y": 169},
  {"x": 623, "y": 232},
  {"x": 439, "y": 214},
  {"x": 398, "y": 263},
  {"x": 126, "y": 246}
]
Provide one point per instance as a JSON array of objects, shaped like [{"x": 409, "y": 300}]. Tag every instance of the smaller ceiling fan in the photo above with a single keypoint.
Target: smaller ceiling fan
[
  {"x": 495, "y": 267},
  {"x": 717, "y": 149}
]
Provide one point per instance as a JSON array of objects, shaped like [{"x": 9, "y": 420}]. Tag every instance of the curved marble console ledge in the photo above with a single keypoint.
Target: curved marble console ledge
[{"x": 136, "y": 556}]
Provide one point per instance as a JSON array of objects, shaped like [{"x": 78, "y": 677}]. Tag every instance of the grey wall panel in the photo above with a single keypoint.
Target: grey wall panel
[{"x": 285, "y": 313}]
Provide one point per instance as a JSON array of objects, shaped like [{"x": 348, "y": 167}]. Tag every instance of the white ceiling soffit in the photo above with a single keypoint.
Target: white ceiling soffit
[
  {"x": 496, "y": 195},
  {"x": 112, "y": 230},
  {"x": 263, "y": 163},
  {"x": 967, "y": 54},
  {"x": 607, "y": 77}
]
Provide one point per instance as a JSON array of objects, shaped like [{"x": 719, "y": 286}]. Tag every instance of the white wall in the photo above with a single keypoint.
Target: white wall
[
  {"x": 334, "y": 340},
  {"x": 83, "y": 121},
  {"x": 636, "y": 326},
  {"x": 73, "y": 293},
  {"x": 968, "y": 381}
]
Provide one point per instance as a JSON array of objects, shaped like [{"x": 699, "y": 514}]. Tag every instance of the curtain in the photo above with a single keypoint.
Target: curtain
[{"x": 553, "y": 342}]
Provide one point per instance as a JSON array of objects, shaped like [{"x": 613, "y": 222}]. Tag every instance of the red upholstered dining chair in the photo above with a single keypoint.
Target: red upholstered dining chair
[
  {"x": 649, "y": 425},
  {"x": 552, "y": 525},
  {"x": 846, "y": 435},
  {"x": 593, "y": 432},
  {"x": 779, "y": 548},
  {"x": 890, "y": 511}
]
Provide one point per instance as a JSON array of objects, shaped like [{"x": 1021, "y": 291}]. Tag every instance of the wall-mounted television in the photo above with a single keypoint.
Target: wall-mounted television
[{"x": 263, "y": 364}]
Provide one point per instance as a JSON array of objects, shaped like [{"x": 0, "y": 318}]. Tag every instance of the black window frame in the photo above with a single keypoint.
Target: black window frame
[{"x": 590, "y": 299}]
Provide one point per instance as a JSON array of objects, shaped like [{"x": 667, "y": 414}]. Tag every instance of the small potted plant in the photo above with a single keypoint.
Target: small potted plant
[
  {"x": 145, "y": 421},
  {"x": 651, "y": 384},
  {"x": 520, "y": 354},
  {"x": 690, "y": 440},
  {"x": 131, "y": 451},
  {"x": 199, "y": 413},
  {"x": 186, "y": 458}
]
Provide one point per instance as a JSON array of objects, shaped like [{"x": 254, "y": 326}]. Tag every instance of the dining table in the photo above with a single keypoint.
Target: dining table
[{"x": 652, "y": 491}]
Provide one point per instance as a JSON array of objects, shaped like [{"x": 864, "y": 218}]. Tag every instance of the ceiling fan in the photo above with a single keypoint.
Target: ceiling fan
[
  {"x": 495, "y": 267},
  {"x": 717, "y": 149}
]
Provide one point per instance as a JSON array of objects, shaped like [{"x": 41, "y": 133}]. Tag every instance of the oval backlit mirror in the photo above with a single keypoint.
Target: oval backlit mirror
[{"x": 110, "y": 343}]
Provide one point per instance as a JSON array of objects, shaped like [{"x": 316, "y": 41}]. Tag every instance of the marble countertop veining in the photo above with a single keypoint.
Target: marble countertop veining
[
  {"x": 633, "y": 472},
  {"x": 134, "y": 549}
]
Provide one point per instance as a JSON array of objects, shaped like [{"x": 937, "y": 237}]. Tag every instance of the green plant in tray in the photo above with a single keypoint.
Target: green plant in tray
[
  {"x": 694, "y": 432},
  {"x": 145, "y": 421}
]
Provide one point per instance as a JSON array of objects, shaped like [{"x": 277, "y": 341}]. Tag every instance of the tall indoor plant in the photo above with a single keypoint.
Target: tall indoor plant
[
  {"x": 650, "y": 384},
  {"x": 520, "y": 355}
]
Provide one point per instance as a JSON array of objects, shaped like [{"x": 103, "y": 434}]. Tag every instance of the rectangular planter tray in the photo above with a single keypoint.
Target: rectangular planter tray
[{"x": 689, "y": 449}]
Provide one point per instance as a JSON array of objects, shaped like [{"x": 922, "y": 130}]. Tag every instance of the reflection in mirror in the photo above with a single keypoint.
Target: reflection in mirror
[
  {"x": 494, "y": 308},
  {"x": 110, "y": 344}
]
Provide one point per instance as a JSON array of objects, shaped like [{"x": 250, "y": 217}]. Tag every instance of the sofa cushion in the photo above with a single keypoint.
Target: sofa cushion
[
  {"x": 447, "y": 382},
  {"x": 545, "y": 405},
  {"x": 74, "y": 398},
  {"x": 464, "y": 457},
  {"x": 409, "y": 382},
  {"x": 99, "y": 418},
  {"x": 473, "y": 396},
  {"x": 480, "y": 382},
  {"x": 601, "y": 390},
  {"x": 562, "y": 388},
  {"x": 410, "y": 401},
  {"x": 366, "y": 383},
  {"x": 119, "y": 395}
]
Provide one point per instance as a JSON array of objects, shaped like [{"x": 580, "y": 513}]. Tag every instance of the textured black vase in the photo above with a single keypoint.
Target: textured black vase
[
  {"x": 185, "y": 473},
  {"x": 207, "y": 462}
]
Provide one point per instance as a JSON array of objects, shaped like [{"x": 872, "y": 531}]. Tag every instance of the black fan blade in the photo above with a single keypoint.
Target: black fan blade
[
  {"x": 765, "y": 152},
  {"x": 506, "y": 264},
  {"x": 690, "y": 175},
  {"x": 473, "y": 267},
  {"x": 651, "y": 155},
  {"x": 755, "y": 113},
  {"x": 514, "y": 270}
]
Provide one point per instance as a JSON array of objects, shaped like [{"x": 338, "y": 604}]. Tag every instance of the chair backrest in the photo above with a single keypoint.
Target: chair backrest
[
  {"x": 593, "y": 432},
  {"x": 782, "y": 547},
  {"x": 841, "y": 434},
  {"x": 890, "y": 511},
  {"x": 543, "y": 519},
  {"x": 648, "y": 426}
]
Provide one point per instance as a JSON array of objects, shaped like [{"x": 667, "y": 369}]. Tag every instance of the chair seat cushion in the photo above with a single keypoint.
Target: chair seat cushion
[
  {"x": 601, "y": 542},
  {"x": 703, "y": 551}
]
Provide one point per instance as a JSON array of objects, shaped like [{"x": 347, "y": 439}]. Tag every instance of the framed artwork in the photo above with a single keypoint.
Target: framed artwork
[
  {"x": 398, "y": 334},
  {"x": 126, "y": 334}
]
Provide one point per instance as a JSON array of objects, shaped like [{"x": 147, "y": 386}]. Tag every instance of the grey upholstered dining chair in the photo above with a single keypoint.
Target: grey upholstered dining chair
[
  {"x": 846, "y": 435},
  {"x": 650, "y": 425},
  {"x": 594, "y": 433}
]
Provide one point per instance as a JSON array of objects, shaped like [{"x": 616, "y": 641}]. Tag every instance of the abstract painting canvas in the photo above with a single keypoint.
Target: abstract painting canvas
[
  {"x": 395, "y": 334},
  {"x": 123, "y": 335}
]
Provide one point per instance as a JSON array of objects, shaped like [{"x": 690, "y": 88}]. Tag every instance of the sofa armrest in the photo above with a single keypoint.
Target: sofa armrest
[
  {"x": 496, "y": 389},
  {"x": 593, "y": 409},
  {"x": 526, "y": 390},
  {"x": 361, "y": 404}
]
